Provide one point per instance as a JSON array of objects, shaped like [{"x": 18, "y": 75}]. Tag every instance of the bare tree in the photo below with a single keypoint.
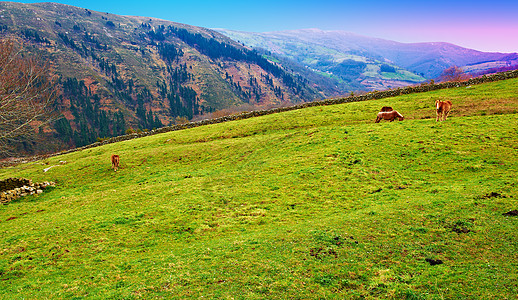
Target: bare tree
[
  {"x": 454, "y": 73},
  {"x": 27, "y": 91}
]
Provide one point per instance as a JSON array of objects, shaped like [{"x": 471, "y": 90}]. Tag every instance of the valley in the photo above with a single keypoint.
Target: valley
[
  {"x": 120, "y": 73},
  {"x": 185, "y": 162},
  {"x": 367, "y": 63}
]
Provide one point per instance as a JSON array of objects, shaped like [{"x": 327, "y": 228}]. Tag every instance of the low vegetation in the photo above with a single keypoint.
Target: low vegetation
[{"x": 306, "y": 204}]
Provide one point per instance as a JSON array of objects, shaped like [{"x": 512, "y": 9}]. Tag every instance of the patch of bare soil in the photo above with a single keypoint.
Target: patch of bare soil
[{"x": 512, "y": 213}]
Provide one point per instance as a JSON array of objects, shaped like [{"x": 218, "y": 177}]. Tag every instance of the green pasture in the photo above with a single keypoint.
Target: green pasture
[
  {"x": 319, "y": 203},
  {"x": 401, "y": 75}
]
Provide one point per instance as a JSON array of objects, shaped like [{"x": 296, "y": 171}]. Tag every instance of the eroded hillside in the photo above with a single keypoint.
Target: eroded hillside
[{"x": 121, "y": 72}]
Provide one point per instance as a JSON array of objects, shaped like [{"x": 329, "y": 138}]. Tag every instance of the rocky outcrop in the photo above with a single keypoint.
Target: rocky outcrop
[{"x": 14, "y": 188}]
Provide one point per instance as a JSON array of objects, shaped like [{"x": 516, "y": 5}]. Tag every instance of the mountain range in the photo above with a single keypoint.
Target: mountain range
[
  {"x": 370, "y": 63},
  {"x": 119, "y": 73}
]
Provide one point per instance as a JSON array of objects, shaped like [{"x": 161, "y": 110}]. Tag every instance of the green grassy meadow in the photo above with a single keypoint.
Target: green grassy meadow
[{"x": 318, "y": 203}]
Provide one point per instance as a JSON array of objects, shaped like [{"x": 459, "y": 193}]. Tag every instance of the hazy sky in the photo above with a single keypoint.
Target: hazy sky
[{"x": 481, "y": 25}]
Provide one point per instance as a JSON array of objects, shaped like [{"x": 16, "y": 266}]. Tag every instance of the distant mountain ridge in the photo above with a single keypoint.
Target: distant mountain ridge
[{"x": 320, "y": 49}]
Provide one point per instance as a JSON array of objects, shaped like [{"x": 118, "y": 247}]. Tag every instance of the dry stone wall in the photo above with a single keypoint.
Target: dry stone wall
[
  {"x": 369, "y": 96},
  {"x": 14, "y": 188},
  {"x": 245, "y": 115}
]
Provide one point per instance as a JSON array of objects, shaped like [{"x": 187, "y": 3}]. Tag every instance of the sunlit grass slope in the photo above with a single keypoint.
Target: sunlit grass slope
[{"x": 308, "y": 204}]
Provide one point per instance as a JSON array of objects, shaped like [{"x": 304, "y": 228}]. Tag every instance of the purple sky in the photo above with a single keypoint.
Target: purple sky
[{"x": 482, "y": 25}]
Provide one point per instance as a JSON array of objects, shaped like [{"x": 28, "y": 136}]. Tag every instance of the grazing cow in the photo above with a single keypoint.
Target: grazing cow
[
  {"x": 388, "y": 115},
  {"x": 386, "y": 108},
  {"x": 115, "y": 162},
  {"x": 443, "y": 109}
]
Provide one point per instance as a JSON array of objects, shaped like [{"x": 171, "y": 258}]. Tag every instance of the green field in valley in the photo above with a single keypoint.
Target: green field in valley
[{"x": 317, "y": 203}]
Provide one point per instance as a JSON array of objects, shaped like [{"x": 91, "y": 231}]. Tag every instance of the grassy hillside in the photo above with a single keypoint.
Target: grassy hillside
[{"x": 307, "y": 204}]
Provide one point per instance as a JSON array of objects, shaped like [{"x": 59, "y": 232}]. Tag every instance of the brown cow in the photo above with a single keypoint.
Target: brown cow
[
  {"x": 386, "y": 108},
  {"x": 443, "y": 109},
  {"x": 115, "y": 162},
  {"x": 388, "y": 115}
]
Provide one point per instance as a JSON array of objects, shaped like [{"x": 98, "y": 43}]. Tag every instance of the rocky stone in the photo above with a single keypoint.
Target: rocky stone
[{"x": 13, "y": 188}]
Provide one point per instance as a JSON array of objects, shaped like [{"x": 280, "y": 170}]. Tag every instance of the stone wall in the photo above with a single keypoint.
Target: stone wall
[
  {"x": 12, "y": 183},
  {"x": 245, "y": 115},
  {"x": 14, "y": 188},
  {"x": 369, "y": 96}
]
